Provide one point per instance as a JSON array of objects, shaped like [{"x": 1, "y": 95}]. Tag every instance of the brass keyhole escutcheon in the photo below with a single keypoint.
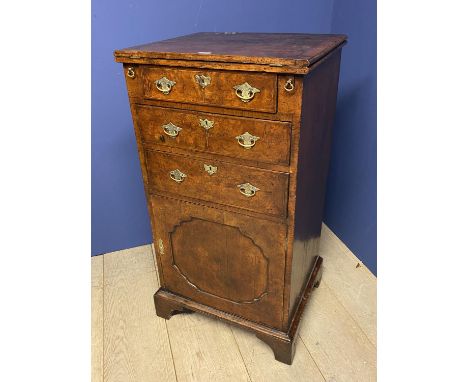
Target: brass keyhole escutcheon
[
  {"x": 206, "y": 123},
  {"x": 210, "y": 169},
  {"x": 202, "y": 80}
]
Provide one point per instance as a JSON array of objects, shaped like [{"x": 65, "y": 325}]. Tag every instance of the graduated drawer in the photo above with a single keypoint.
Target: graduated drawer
[
  {"x": 236, "y": 90},
  {"x": 246, "y": 138},
  {"x": 219, "y": 182}
]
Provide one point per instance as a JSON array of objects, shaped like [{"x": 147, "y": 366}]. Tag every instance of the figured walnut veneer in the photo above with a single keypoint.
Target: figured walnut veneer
[{"x": 234, "y": 137}]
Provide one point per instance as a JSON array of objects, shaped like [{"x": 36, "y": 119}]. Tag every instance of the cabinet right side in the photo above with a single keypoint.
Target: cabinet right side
[{"x": 320, "y": 88}]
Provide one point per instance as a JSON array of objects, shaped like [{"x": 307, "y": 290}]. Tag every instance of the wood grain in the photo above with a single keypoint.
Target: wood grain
[
  {"x": 97, "y": 324},
  {"x": 96, "y": 271},
  {"x": 318, "y": 109},
  {"x": 204, "y": 349},
  {"x": 333, "y": 338},
  {"x": 203, "y": 270},
  {"x": 136, "y": 344},
  {"x": 222, "y": 187},
  {"x": 132, "y": 262},
  {"x": 294, "y": 50},
  {"x": 289, "y": 103},
  {"x": 351, "y": 282},
  {"x": 220, "y": 92},
  {"x": 268, "y": 239},
  {"x": 201, "y": 360},
  {"x": 261, "y": 364},
  {"x": 272, "y": 147},
  {"x": 330, "y": 342}
]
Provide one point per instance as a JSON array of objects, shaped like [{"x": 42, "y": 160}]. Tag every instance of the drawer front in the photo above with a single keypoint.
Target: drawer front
[
  {"x": 236, "y": 90},
  {"x": 221, "y": 259},
  {"x": 218, "y": 182},
  {"x": 246, "y": 138}
]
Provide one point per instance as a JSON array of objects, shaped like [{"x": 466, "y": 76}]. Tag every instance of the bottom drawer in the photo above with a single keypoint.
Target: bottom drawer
[
  {"x": 225, "y": 260},
  {"x": 219, "y": 182}
]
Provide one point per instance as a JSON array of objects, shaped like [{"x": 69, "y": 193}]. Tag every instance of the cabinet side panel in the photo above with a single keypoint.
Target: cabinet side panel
[
  {"x": 132, "y": 85},
  {"x": 318, "y": 109}
]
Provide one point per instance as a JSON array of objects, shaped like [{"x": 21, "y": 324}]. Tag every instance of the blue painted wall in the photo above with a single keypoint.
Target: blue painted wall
[
  {"x": 119, "y": 215},
  {"x": 351, "y": 207}
]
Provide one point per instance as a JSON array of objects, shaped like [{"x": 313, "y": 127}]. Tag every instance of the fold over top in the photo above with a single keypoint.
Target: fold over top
[{"x": 295, "y": 50}]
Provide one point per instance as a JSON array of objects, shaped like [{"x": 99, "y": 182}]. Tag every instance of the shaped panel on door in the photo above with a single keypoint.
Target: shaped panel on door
[
  {"x": 222, "y": 259},
  {"x": 216, "y": 257}
]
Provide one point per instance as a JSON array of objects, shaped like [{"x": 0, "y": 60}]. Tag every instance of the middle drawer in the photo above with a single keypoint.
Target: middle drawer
[
  {"x": 246, "y": 138},
  {"x": 218, "y": 182}
]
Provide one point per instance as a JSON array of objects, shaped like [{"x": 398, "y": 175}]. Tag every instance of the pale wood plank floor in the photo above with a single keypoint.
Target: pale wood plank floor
[{"x": 337, "y": 339}]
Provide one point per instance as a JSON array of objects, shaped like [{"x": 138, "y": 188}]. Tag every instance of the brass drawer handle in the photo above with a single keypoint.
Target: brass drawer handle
[
  {"x": 177, "y": 176},
  {"x": 202, "y": 80},
  {"x": 247, "y": 189},
  {"x": 245, "y": 92},
  {"x": 131, "y": 72},
  {"x": 289, "y": 85},
  {"x": 247, "y": 140},
  {"x": 206, "y": 124},
  {"x": 171, "y": 130},
  {"x": 164, "y": 85}
]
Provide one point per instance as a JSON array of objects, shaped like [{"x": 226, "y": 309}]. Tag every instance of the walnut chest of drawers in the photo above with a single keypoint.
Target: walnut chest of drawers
[{"x": 234, "y": 135}]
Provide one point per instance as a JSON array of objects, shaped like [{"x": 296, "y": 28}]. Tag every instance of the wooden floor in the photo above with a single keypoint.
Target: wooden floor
[{"x": 337, "y": 338}]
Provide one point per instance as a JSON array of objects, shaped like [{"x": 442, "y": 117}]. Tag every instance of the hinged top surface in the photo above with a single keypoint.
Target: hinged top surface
[{"x": 275, "y": 49}]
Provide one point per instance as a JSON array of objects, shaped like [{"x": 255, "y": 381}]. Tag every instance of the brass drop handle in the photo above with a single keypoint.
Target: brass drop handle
[
  {"x": 171, "y": 130},
  {"x": 247, "y": 140},
  {"x": 164, "y": 85},
  {"x": 177, "y": 176},
  {"x": 289, "y": 85},
  {"x": 202, "y": 80},
  {"x": 131, "y": 72},
  {"x": 246, "y": 92},
  {"x": 247, "y": 189}
]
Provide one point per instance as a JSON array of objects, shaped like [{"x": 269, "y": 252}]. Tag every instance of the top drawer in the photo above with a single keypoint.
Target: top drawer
[{"x": 235, "y": 90}]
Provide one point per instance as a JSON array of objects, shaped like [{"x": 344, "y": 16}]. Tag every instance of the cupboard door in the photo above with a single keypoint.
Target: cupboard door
[{"x": 229, "y": 261}]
